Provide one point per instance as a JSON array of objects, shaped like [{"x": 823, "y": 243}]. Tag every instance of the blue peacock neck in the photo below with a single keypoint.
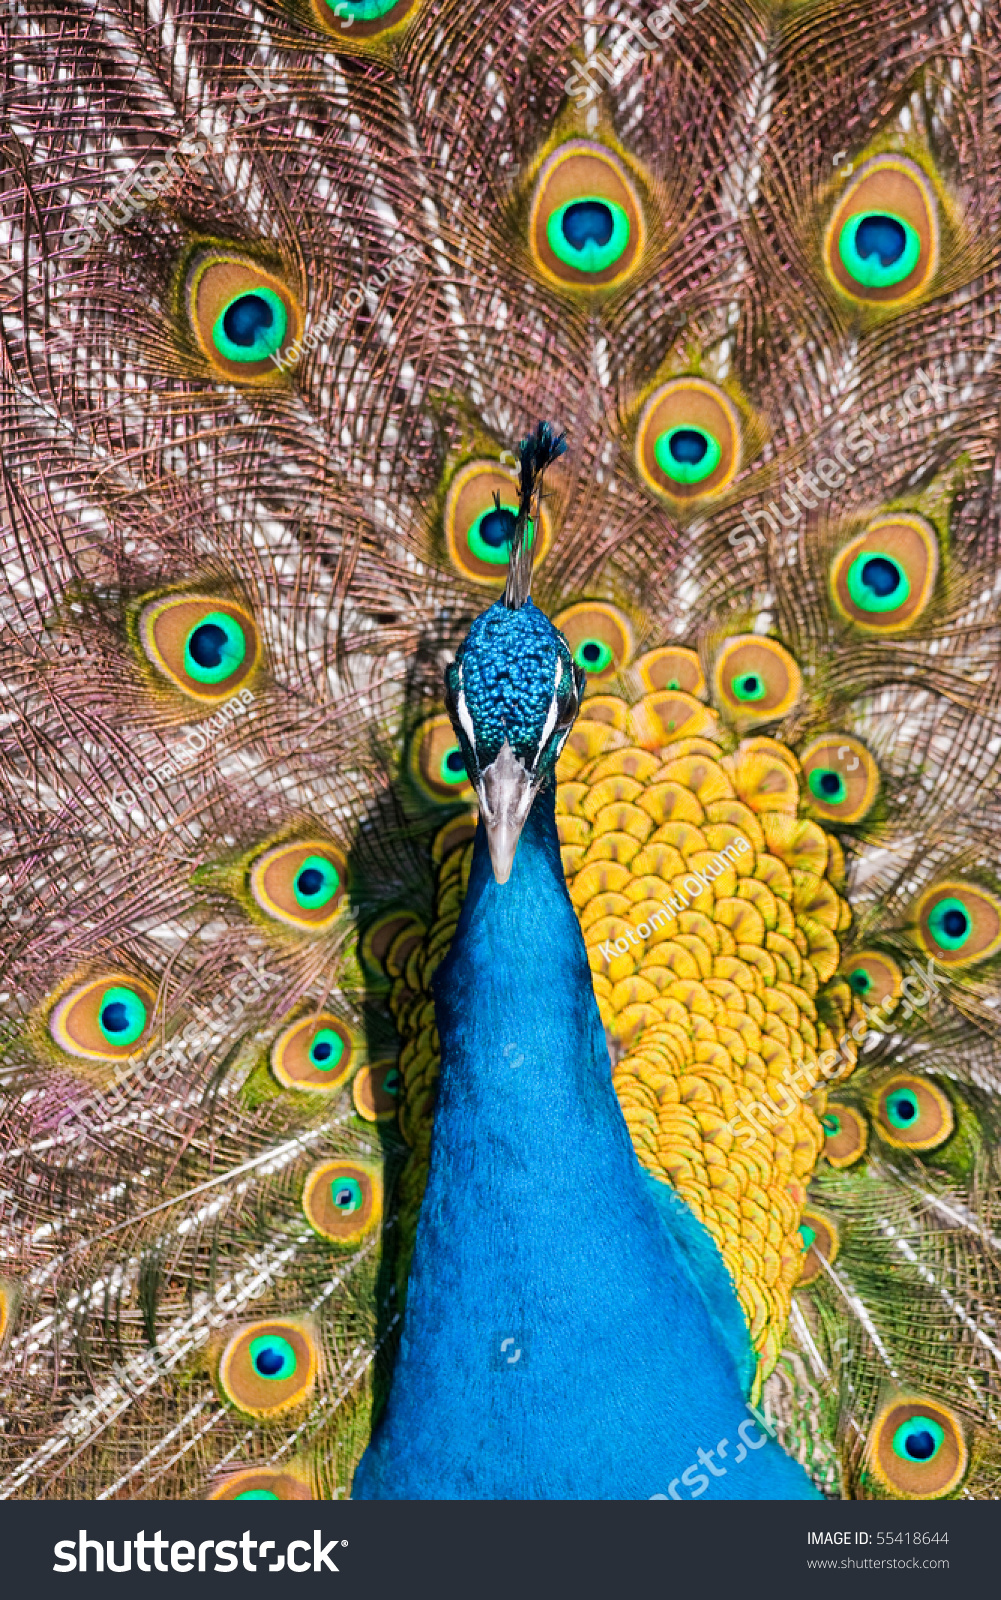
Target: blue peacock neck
[{"x": 569, "y": 1332}]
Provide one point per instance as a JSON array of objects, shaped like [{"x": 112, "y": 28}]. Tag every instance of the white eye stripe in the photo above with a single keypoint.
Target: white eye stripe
[{"x": 551, "y": 714}]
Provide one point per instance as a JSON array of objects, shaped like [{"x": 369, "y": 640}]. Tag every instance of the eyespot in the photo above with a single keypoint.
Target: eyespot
[
  {"x": 841, "y": 776},
  {"x": 477, "y": 529},
  {"x": 873, "y": 977},
  {"x": 317, "y": 1054},
  {"x": 268, "y": 1367},
  {"x": 106, "y": 1019},
  {"x": 913, "y": 1113},
  {"x": 376, "y": 1091},
  {"x": 206, "y": 646},
  {"x": 342, "y": 1200},
  {"x": 358, "y": 20},
  {"x": 261, "y": 1483},
  {"x": 881, "y": 245},
  {"x": 243, "y": 317},
  {"x": 959, "y": 923},
  {"x": 599, "y": 636},
  {"x": 846, "y": 1135},
  {"x": 883, "y": 579},
  {"x": 301, "y": 884},
  {"x": 671, "y": 667},
  {"x": 688, "y": 440},
  {"x": 917, "y": 1449},
  {"x": 820, "y": 1240},
  {"x": 437, "y": 765},
  {"x": 586, "y": 228},
  {"x": 755, "y": 680}
]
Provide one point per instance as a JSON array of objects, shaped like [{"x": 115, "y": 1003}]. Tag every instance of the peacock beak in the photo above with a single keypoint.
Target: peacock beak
[{"x": 506, "y": 790}]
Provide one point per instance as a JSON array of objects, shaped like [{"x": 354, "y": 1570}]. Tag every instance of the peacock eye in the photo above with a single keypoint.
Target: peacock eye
[
  {"x": 273, "y": 1358},
  {"x": 103, "y": 1020},
  {"x": 302, "y": 884},
  {"x": 243, "y": 316},
  {"x": 883, "y": 580},
  {"x": 342, "y": 1200},
  {"x": 215, "y": 648},
  {"x": 256, "y": 1494},
  {"x": 586, "y": 224},
  {"x": 435, "y": 758},
  {"x": 959, "y": 923},
  {"x": 687, "y": 440},
  {"x": 756, "y": 679},
  {"x": 600, "y": 639},
  {"x": 917, "y": 1449},
  {"x": 207, "y": 647},
  {"x": 881, "y": 244},
  {"x": 268, "y": 1367},
  {"x": 453, "y": 766},
  {"x": 590, "y": 234},
  {"x": 593, "y": 655},
  {"x": 252, "y": 327},
  {"x": 481, "y": 509},
  {"x": 878, "y": 249},
  {"x": 841, "y": 776},
  {"x": 820, "y": 1241},
  {"x": 847, "y": 1135},
  {"x": 913, "y": 1113},
  {"x": 315, "y": 1054},
  {"x": 918, "y": 1439},
  {"x": 873, "y": 977},
  {"x": 376, "y": 1091},
  {"x": 687, "y": 455}
]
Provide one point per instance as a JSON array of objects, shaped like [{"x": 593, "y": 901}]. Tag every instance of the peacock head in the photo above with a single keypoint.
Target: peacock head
[{"x": 513, "y": 690}]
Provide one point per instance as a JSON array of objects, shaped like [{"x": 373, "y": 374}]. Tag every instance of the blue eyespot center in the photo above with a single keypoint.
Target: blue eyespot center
[
  {"x": 829, "y": 782},
  {"x": 497, "y": 527},
  {"x": 954, "y": 923},
  {"x": 310, "y": 881},
  {"x": 587, "y": 222},
  {"x": 688, "y": 446},
  {"x": 920, "y": 1445},
  {"x": 207, "y": 644},
  {"x": 881, "y": 576},
  {"x": 272, "y": 1357},
  {"x": 246, "y": 319},
  {"x": 114, "y": 1018},
  {"x": 880, "y": 236}
]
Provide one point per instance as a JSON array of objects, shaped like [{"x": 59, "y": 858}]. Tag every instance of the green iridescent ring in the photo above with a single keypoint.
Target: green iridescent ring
[
  {"x": 807, "y": 1234},
  {"x": 272, "y": 1357},
  {"x": 266, "y": 341},
  {"x": 326, "y": 1050},
  {"x": 214, "y": 648},
  {"x": 590, "y": 256},
  {"x": 453, "y": 767},
  {"x": 902, "y": 1108},
  {"x": 496, "y": 555},
  {"x": 122, "y": 1016},
  {"x": 747, "y": 686},
  {"x": 680, "y": 470},
  {"x": 950, "y": 924},
  {"x": 831, "y": 1124},
  {"x": 346, "y": 1195},
  {"x": 316, "y": 883},
  {"x": 869, "y": 270},
  {"x": 360, "y": 10},
  {"x": 827, "y": 786},
  {"x": 865, "y": 596},
  {"x": 592, "y": 655},
  {"x": 256, "y": 1494},
  {"x": 918, "y": 1439},
  {"x": 859, "y": 981}
]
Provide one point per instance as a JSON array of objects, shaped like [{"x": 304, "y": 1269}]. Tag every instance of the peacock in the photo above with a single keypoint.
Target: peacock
[{"x": 499, "y": 751}]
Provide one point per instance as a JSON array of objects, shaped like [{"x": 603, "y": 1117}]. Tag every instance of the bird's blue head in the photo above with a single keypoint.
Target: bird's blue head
[{"x": 513, "y": 690}]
